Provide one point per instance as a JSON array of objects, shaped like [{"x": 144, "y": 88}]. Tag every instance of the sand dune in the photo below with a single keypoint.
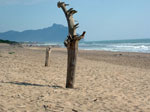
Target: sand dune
[{"x": 105, "y": 81}]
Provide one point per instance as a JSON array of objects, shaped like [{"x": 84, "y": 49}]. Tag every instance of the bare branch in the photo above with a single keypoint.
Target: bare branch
[
  {"x": 65, "y": 43},
  {"x": 76, "y": 37},
  {"x": 70, "y": 9},
  {"x": 76, "y": 26},
  {"x": 66, "y": 4},
  {"x": 72, "y": 12},
  {"x": 63, "y": 6},
  {"x": 60, "y": 4},
  {"x": 82, "y": 36},
  {"x": 68, "y": 13}
]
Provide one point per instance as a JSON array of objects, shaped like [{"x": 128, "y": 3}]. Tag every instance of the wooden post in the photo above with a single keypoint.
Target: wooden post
[
  {"x": 48, "y": 50},
  {"x": 71, "y": 43}
]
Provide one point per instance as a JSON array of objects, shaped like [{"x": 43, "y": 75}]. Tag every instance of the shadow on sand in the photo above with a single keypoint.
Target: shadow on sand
[{"x": 30, "y": 84}]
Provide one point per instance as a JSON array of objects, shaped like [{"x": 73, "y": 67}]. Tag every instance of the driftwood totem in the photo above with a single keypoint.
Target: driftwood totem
[
  {"x": 48, "y": 51},
  {"x": 71, "y": 43}
]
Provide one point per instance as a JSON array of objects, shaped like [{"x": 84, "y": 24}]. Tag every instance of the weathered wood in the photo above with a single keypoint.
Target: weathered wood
[
  {"x": 71, "y": 43},
  {"x": 48, "y": 51},
  {"x": 72, "y": 58}
]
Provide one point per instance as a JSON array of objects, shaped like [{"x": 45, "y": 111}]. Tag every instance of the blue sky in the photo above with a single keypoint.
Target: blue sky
[{"x": 102, "y": 19}]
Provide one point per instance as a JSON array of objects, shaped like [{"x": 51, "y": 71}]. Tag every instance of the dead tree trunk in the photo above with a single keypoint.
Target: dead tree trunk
[
  {"x": 48, "y": 50},
  {"x": 71, "y": 43}
]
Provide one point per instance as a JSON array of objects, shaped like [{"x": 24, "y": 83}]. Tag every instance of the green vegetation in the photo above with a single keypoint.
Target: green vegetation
[
  {"x": 11, "y": 52},
  {"x": 8, "y": 42}
]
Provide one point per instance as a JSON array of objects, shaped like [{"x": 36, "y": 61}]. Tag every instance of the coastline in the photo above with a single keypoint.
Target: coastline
[
  {"x": 105, "y": 81},
  {"x": 133, "y": 59}
]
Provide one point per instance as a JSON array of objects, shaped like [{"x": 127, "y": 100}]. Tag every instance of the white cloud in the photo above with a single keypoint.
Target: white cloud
[{"x": 23, "y": 2}]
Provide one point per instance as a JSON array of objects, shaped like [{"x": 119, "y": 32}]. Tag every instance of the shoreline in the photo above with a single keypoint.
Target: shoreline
[{"x": 134, "y": 59}]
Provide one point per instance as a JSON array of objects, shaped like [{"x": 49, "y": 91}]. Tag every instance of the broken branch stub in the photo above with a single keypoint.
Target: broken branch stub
[{"x": 71, "y": 43}]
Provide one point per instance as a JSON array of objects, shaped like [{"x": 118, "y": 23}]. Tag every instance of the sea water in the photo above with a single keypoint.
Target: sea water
[{"x": 136, "y": 45}]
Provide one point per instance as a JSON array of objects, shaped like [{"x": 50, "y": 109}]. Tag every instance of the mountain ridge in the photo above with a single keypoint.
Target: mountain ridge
[{"x": 55, "y": 33}]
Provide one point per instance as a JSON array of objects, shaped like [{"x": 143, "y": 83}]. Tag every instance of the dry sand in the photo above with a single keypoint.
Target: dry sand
[{"x": 105, "y": 81}]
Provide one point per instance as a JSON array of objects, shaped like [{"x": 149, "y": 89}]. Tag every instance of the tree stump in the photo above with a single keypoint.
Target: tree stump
[
  {"x": 71, "y": 43},
  {"x": 48, "y": 51}
]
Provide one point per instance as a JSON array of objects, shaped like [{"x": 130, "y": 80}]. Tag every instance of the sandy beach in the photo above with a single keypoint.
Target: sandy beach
[{"x": 105, "y": 81}]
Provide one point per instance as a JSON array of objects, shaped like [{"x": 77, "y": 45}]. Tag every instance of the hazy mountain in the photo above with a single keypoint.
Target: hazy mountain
[{"x": 55, "y": 33}]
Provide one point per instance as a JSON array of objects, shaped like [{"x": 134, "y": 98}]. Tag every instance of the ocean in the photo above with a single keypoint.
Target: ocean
[{"x": 135, "y": 45}]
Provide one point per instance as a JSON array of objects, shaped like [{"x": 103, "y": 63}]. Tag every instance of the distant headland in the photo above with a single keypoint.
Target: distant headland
[{"x": 55, "y": 33}]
